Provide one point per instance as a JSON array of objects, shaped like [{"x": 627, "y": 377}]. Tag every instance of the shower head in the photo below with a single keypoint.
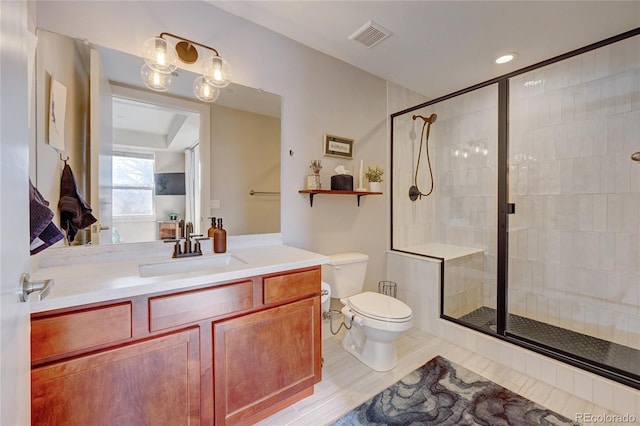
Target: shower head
[{"x": 431, "y": 119}]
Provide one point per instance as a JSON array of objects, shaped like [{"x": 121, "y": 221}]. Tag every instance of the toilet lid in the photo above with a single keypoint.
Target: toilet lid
[{"x": 379, "y": 306}]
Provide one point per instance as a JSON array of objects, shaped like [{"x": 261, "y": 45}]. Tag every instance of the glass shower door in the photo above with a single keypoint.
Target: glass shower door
[{"x": 574, "y": 240}]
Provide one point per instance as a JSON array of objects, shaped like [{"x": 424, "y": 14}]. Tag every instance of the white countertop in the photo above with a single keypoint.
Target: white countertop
[{"x": 91, "y": 282}]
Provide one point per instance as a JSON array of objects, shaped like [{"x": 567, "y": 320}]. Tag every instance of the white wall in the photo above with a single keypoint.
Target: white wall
[{"x": 320, "y": 94}]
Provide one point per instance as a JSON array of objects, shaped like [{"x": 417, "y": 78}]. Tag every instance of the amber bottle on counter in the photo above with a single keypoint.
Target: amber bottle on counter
[
  {"x": 219, "y": 238},
  {"x": 212, "y": 229}
]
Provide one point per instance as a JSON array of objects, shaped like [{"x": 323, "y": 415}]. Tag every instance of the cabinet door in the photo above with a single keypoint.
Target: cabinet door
[
  {"x": 153, "y": 382},
  {"x": 265, "y": 358}
]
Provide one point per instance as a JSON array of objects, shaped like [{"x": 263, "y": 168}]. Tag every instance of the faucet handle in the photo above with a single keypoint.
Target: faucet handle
[{"x": 176, "y": 248}]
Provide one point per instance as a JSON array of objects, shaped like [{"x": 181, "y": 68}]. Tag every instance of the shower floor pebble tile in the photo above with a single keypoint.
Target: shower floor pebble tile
[{"x": 346, "y": 382}]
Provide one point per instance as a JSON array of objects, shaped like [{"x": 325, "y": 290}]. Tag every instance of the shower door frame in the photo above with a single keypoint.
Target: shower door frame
[{"x": 504, "y": 208}]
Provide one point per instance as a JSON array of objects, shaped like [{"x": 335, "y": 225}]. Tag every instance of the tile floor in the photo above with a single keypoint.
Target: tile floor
[{"x": 346, "y": 382}]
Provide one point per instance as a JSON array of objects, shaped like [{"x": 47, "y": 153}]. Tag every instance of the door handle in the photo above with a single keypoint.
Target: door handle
[
  {"x": 635, "y": 156},
  {"x": 27, "y": 287}
]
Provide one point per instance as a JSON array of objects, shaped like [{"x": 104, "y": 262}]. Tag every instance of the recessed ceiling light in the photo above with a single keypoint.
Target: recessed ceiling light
[{"x": 505, "y": 58}]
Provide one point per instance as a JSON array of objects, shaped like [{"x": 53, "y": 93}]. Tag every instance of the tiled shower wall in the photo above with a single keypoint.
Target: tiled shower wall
[
  {"x": 574, "y": 242},
  {"x": 461, "y": 211}
]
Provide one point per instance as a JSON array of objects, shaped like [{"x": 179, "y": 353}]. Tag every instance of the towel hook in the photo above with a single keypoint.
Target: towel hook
[{"x": 64, "y": 159}]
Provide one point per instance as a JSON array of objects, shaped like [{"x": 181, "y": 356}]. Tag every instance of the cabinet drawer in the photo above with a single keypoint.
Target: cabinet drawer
[
  {"x": 74, "y": 331},
  {"x": 193, "y": 306},
  {"x": 282, "y": 288}
]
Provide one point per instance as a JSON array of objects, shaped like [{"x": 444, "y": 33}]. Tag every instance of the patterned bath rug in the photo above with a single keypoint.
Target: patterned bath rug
[{"x": 443, "y": 393}]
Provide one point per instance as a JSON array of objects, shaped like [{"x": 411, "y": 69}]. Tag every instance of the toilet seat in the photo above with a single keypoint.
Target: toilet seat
[{"x": 379, "y": 307}]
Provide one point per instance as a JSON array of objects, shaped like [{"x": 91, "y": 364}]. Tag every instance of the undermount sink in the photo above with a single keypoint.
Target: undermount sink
[{"x": 209, "y": 263}]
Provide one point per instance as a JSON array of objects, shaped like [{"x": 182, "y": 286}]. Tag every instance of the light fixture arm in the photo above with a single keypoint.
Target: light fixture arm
[{"x": 184, "y": 49}]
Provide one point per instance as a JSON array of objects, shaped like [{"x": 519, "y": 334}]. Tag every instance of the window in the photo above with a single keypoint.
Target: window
[{"x": 132, "y": 180}]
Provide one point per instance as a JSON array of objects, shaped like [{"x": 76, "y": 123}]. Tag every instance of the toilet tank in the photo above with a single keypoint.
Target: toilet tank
[{"x": 345, "y": 273}]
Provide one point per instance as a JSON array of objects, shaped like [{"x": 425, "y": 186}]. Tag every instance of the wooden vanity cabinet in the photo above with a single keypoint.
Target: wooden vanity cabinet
[
  {"x": 155, "y": 381},
  {"x": 229, "y": 353},
  {"x": 266, "y": 361}
]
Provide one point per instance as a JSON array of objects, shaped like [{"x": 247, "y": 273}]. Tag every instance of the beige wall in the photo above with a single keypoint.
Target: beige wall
[
  {"x": 245, "y": 156},
  {"x": 320, "y": 94},
  {"x": 68, "y": 68}
]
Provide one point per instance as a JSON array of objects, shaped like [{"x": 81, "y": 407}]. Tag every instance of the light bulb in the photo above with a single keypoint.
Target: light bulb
[
  {"x": 217, "y": 72},
  {"x": 160, "y": 55},
  {"x": 161, "y": 58},
  {"x": 155, "y": 80},
  {"x": 205, "y": 91},
  {"x": 503, "y": 59}
]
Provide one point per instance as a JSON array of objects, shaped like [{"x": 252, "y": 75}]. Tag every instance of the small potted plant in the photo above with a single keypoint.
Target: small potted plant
[
  {"x": 313, "y": 179},
  {"x": 374, "y": 176}
]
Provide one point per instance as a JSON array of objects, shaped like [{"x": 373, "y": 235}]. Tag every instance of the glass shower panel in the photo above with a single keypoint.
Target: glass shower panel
[
  {"x": 574, "y": 241},
  {"x": 456, "y": 221}
]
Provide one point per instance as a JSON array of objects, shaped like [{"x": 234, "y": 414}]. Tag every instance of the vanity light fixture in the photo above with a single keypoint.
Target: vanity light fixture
[
  {"x": 503, "y": 59},
  {"x": 160, "y": 57}
]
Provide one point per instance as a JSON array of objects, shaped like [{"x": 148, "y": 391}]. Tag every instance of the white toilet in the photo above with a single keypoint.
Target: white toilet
[{"x": 376, "y": 320}]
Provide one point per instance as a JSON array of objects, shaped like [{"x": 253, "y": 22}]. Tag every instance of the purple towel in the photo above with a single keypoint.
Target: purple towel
[
  {"x": 44, "y": 233},
  {"x": 75, "y": 212}
]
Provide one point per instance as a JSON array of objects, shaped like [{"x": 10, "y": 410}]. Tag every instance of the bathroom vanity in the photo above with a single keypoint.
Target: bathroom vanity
[{"x": 217, "y": 351}]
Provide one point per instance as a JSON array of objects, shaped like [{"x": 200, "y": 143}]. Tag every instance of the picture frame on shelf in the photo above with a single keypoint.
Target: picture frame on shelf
[{"x": 338, "y": 146}]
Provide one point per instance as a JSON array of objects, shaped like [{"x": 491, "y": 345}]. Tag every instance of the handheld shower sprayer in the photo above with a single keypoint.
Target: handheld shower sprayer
[{"x": 414, "y": 191}]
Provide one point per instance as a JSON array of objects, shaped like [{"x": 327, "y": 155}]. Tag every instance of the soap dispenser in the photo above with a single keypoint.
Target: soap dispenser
[
  {"x": 212, "y": 230},
  {"x": 220, "y": 238}
]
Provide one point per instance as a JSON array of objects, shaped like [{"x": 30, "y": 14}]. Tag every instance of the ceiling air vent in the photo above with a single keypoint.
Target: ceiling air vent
[{"x": 370, "y": 34}]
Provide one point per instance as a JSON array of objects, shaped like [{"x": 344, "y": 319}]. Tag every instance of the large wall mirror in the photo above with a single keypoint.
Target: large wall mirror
[{"x": 144, "y": 160}]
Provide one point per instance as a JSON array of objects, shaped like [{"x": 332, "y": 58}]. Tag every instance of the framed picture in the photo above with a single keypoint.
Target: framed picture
[{"x": 336, "y": 146}]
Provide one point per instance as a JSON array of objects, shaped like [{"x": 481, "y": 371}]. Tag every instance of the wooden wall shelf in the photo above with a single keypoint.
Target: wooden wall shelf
[{"x": 313, "y": 192}]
